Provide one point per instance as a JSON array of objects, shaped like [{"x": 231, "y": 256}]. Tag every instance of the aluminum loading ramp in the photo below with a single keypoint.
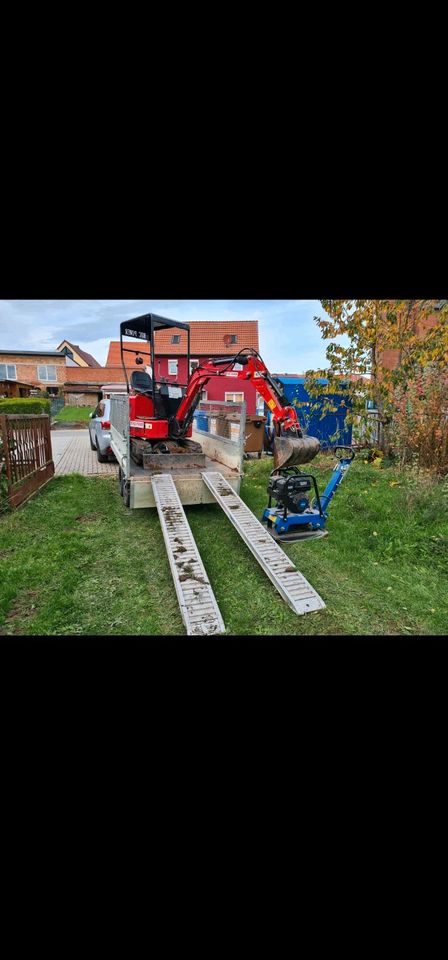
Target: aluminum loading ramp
[
  {"x": 197, "y": 602},
  {"x": 292, "y": 586}
]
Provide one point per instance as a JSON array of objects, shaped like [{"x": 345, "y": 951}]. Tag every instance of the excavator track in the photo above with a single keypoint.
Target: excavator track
[{"x": 167, "y": 455}]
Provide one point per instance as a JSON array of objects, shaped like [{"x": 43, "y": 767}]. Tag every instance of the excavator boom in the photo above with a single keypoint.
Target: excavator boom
[{"x": 290, "y": 446}]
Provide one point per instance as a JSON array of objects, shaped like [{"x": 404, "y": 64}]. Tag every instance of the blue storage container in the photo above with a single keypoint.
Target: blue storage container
[
  {"x": 201, "y": 420},
  {"x": 331, "y": 423}
]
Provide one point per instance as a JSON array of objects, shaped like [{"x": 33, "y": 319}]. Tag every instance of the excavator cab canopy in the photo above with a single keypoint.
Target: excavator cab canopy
[{"x": 144, "y": 328}]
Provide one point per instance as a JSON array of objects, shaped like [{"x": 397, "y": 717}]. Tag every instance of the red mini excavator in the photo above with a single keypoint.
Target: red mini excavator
[{"x": 161, "y": 411}]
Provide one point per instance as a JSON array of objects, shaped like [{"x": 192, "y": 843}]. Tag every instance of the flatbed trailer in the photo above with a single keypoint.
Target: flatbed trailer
[
  {"x": 221, "y": 454},
  {"x": 168, "y": 487}
]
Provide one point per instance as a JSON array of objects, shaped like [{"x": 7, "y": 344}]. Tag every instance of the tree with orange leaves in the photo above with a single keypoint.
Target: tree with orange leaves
[{"x": 417, "y": 332}]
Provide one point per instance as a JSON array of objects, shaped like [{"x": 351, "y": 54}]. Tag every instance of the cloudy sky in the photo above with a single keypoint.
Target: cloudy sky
[{"x": 290, "y": 340}]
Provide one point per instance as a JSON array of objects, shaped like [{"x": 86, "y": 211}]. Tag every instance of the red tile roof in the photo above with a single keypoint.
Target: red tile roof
[{"x": 206, "y": 340}]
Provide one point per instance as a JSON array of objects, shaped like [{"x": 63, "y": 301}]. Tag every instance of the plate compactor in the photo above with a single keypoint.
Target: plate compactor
[{"x": 296, "y": 516}]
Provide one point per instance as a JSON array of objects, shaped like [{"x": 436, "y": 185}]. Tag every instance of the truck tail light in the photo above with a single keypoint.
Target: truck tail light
[{"x": 105, "y": 424}]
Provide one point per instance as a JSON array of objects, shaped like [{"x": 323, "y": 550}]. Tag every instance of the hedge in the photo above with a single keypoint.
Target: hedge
[{"x": 31, "y": 405}]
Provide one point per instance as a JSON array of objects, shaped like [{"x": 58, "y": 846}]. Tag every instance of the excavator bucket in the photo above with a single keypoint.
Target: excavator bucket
[{"x": 291, "y": 451}]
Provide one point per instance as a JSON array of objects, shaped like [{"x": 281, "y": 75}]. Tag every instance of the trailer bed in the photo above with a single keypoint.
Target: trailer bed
[
  {"x": 222, "y": 454},
  {"x": 190, "y": 486}
]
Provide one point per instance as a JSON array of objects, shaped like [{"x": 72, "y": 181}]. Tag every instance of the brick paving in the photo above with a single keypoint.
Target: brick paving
[{"x": 79, "y": 458}]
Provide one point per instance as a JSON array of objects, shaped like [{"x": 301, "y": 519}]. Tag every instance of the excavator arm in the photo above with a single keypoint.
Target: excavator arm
[{"x": 290, "y": 447}]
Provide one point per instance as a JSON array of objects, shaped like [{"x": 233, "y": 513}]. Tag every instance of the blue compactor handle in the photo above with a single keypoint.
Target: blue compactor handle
[{"x": 338, "y": 474}]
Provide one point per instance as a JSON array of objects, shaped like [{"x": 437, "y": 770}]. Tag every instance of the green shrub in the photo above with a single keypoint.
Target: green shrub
[{"x": 25, "y": 405}]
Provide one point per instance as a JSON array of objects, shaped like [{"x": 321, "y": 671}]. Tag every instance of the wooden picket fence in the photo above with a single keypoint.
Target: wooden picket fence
[{"x": 26, "y": 461}]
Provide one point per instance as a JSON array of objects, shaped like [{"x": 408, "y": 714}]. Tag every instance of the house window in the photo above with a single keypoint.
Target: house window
[
  {"x": 175, "y": 338},
  {"x": 8, "y": 371},
  {"x": 234, "y": 397},
  {"x": 172, "y": 368},
  {"x": 47, "y": 372},
  {"x": 233, "y": 338},
  {"x": 193, "y": 365}
]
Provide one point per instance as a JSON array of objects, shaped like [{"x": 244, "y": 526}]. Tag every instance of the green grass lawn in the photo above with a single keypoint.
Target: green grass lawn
[
  {"x": 74, "y": 414},
  {"x": 74, "y": 560}
]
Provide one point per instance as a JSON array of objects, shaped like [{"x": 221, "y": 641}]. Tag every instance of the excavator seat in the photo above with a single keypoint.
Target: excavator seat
[
  {"x": 162, "y": 403},
  {"x": 142, "y": 404},
  {"x": 141, "y": 381}
]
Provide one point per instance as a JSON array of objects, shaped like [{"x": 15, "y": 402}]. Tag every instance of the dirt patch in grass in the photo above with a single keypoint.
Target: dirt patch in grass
[
  {"x": 88, "y": 518},
  {"x": 23, "y": 608}
]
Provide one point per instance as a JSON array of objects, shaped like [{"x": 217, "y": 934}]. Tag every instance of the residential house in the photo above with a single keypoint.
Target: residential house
[
  {"x": 75, "y": 356},
  {"x": 27, "y": 371},
  {"x": 208, "y": 339},
  {"x": 34, "y": 369}
]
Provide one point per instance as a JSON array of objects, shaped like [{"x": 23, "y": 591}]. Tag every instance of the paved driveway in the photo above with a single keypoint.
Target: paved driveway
[{"x": 72, "y": 454}]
